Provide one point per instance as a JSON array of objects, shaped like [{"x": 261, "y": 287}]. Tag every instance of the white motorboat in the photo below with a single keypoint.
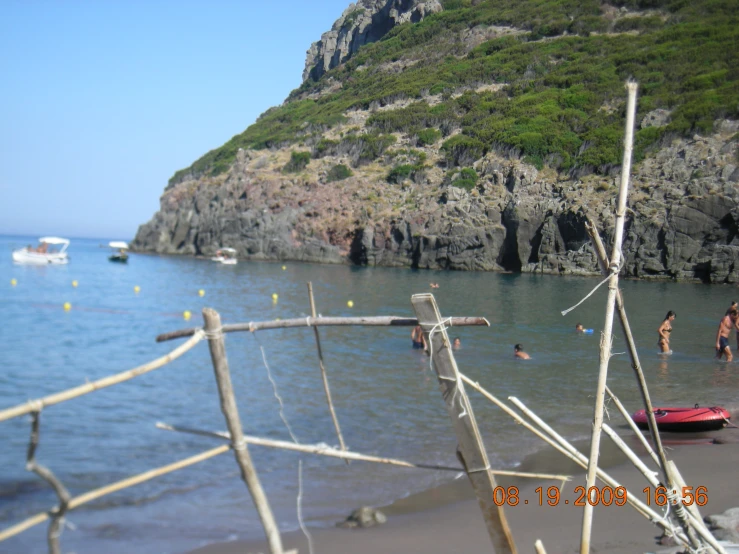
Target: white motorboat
[
  {"x": 226, "y": 256},
  {"x": 51, "y": 250}
]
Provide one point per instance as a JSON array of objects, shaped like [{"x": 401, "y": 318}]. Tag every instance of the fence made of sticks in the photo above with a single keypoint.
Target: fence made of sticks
[{"x": 683, "y": 523}]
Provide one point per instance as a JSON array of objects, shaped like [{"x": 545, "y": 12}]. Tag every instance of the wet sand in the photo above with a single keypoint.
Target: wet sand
[{"x": 447, "y": 519}]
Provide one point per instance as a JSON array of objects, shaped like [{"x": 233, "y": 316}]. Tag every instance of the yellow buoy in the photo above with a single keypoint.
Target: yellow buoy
[
  {"x": 274, "y": 297},
  {"x": 67, "y": 306},
  {"x": 284, "y": 267},
  {"x": 137, "y": 289},
  {"x": 74, "y": 284},
  {"x": 350, "y": 304},
  {"x": 13, "y": 282},
  {"x": 201, "y": 292},
  {"x": 187, "y": 315}
]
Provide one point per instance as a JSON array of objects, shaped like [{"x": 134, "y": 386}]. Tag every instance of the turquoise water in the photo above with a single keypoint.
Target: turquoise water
[{"x": 387, "y": 401}]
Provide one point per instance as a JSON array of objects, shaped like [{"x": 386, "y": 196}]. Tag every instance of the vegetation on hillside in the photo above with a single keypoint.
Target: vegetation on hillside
[{"x": 560, "y": 100}]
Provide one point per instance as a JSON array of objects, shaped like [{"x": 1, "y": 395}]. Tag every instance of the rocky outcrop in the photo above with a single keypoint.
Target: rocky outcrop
[
  {"x": 683, "y": 221},
  {"x": 362, "y": 23}
]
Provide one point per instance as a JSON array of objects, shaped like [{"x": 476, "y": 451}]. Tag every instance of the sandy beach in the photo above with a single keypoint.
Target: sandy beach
[{"x": 447, "y": 519}]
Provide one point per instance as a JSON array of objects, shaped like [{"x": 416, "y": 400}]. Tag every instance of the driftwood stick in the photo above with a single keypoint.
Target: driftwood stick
[
  {"x": 649, "y": 475},
  {"x": 637, "y": 504},
  {"x": 365, "y": 321},
  {"x": 56, "y": 398},
  {"x": 606, "y": 338},
  {"x": 539, "y": 546},
  {"x": 49, "y": 477},
  {"x": 471, "y": 449},
  {"x": 324, "y": 376},
  {"x": 633, "y": 426},
  {"x": 323, "y": 450},
  {"x": 230, "y": 411},
  {"x": 78, "y": 501}
]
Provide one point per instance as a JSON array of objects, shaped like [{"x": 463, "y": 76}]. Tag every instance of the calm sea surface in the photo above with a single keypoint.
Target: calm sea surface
[{"x": 387, "y": 400}]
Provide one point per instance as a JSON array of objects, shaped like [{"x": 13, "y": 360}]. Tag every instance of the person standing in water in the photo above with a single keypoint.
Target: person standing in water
[
  {"x": 664, "y": 331},
  {"x": 728, "y": 322},
  {"x": 419, "y": 341},
  {"x": 519, "y": 353}
]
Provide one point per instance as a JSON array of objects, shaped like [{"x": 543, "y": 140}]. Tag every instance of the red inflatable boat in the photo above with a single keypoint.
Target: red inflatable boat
[{"x": 685, "y": 419}]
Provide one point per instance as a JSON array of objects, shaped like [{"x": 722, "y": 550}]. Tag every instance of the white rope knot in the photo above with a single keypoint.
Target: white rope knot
[
  {"x": 307, "y": 321},
  {"x": 214, "y": 334},
  {"x": 251, "y": 327},
  {"x": 239, "y": 445},
  {"x": 36, "y": 405}
]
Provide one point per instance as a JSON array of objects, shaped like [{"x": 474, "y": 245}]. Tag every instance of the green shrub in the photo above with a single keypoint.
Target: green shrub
[
  {"x": 426, "y": 137},
  {"x": 338, "y": 173},
  {"x": 298, "y": 162},
  {"x": 463, "y": 150},
  {"x": 466, "y": 178}
]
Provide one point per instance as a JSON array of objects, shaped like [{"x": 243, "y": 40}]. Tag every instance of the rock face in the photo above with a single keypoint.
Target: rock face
[
  {"x": 362, "y": 23},
  {"x": 683, "y": 221}
]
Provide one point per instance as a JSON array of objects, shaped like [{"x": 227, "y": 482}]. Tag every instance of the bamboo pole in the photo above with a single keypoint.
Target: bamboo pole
[
  {"x": 674, "y": 495},
  {"x": 645, "y": 510},
  {"x": 365, "y": 321},
  {"x": 324, "y": 376},
  {"x": 637, "y": 431},
  {"x": 56, "y": 398},
  {"x": 471, "y": 449},
  {"x": 605, "y": 341},
  {"x": 78, "y": 501},
  {"x": 323, "y": 450},
  {"x": 539, "y": 546},
  {"x": 230, "y": 411},
  {"x": 633, "y": 354},
  {"x": 641, "y": 381},
  {"x": 47, "y": 475}
]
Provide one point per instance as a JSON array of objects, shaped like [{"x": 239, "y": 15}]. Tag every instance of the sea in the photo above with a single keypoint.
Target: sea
[{"x": 386, "y": 396}]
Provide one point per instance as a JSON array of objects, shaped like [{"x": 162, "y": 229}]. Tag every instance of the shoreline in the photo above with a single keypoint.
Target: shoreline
[{"x": 447, "y": 518}]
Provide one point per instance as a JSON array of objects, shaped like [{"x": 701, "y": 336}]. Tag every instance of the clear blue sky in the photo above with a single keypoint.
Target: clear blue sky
[{"x": 101, "y": 102}]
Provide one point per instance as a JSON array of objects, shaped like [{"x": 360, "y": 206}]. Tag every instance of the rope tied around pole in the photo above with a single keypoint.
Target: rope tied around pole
[
  {"x": 614, "y": 269},
  {"x": 214, "y": 334},
  {"x": 435, "y": 328}
]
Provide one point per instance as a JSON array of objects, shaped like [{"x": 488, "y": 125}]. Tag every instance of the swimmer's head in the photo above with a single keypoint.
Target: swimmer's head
[
  {"x": 670, "y": 314},
  {"x": 518, "y": 348},
  {"x": 579, "y": 328}
]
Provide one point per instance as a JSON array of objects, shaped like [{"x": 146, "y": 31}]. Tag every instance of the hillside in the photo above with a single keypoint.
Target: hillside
[{"x": 477, "y": 135}]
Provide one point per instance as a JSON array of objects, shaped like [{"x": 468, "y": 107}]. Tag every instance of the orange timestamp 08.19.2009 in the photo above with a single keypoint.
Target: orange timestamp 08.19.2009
[{"x": 605, "y": 496}]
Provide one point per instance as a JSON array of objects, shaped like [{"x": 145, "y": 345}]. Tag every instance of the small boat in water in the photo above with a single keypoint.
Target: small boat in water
[
  {"x": 51, "y": 250},
  {"x": 226, "y": 256},
  {"x": 685, "y": 419},
  {"x": 120, "y": 252}
]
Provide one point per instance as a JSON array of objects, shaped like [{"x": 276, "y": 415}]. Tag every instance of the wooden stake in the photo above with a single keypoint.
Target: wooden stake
[
  {"x": 364, "y": 321},
  {"x": 321, "y": 450},
  {"x": 56, "y": 398},
  {"x": 47, "y": 475},
  {"x": 605, "y": 341},
  {"x": 230, "y": 411},
  {"x": 324, "y": 376},
  {"x": 471, "y": 449}
]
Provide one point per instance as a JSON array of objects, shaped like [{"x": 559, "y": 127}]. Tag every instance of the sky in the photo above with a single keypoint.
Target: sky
[{"x": 102, "y": 101}]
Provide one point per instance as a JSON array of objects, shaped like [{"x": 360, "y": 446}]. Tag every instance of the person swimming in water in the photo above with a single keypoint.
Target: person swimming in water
[
  {"x": 417, "y": 338},
  {"x": 664, "y": 330},
  {"x": 728, "y": 322},
  {"x": 519, "y": 353},
  {"x": 457, "y": 343},
  {"x": 579, "y": 329}
]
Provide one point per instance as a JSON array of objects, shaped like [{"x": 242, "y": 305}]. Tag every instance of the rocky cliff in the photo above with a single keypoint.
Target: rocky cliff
[
  {"x": 362, "y": 23},
  {"x": 683, "y": 221},
  {"x": 475, "y": 140}
]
